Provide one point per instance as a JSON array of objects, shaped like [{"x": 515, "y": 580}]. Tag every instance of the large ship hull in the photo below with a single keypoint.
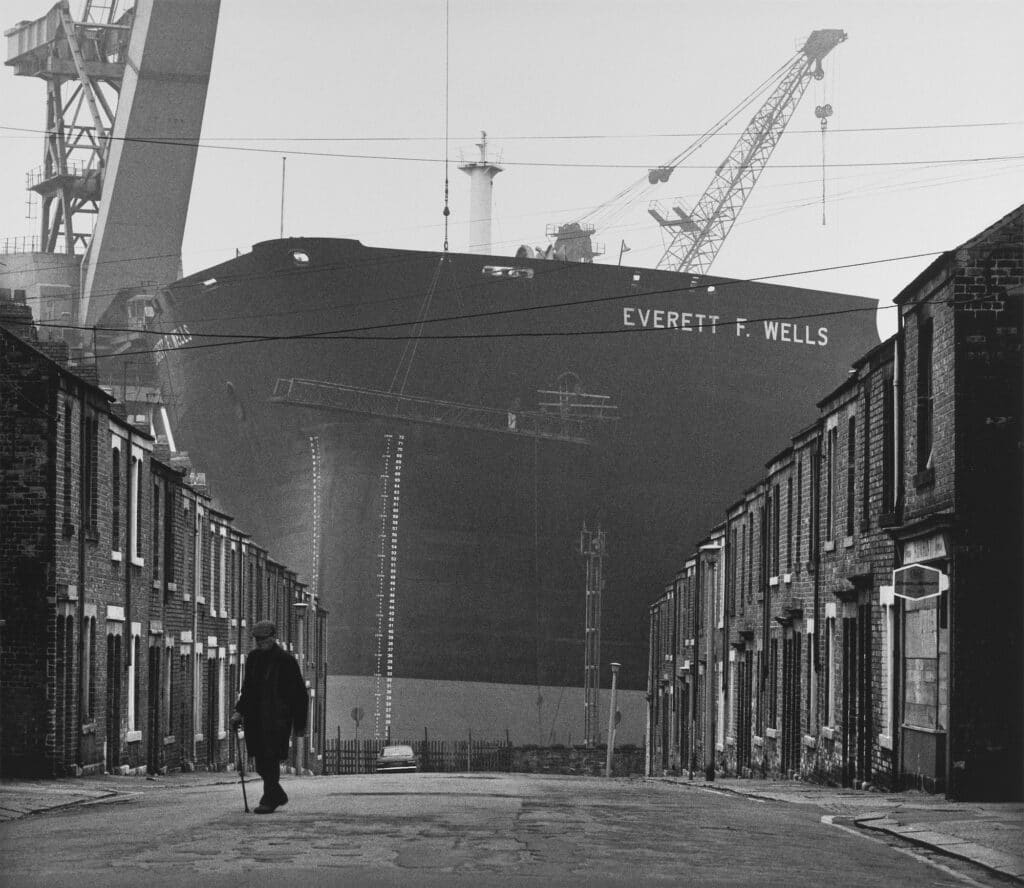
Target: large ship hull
[{"x": 459, "y": 540}]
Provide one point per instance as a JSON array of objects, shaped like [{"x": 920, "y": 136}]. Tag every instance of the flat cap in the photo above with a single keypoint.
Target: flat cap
[{"x": 263, "y": 629}]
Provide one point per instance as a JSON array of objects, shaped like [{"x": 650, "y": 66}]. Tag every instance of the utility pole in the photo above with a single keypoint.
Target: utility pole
[
  {"x": 709, "y": 591},
  {"x": 592, "y": 547},
  {"x": 611, "y": 721}
]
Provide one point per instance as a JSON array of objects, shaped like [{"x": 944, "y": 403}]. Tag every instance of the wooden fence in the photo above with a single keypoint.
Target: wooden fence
[{"x": 359, "y": 756}]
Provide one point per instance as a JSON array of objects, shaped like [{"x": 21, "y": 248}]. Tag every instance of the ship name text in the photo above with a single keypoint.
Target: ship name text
[{"x": 694, "y": 322}]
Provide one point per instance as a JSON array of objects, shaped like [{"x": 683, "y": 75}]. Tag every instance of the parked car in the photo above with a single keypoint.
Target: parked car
[{"x": 397, "y": 758}]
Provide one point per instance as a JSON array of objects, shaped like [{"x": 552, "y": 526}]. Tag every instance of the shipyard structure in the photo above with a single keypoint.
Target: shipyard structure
[{"x": 482, "y": 465}]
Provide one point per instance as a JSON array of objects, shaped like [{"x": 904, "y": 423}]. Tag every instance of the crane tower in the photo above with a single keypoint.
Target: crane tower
[{"x": 694, "y": 238}]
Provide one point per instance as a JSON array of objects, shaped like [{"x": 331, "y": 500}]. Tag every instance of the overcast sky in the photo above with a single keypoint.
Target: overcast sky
[{"x": 925, "y": 147}]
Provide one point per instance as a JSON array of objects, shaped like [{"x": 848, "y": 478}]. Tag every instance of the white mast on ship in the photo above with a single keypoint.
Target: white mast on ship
[{"x": 481, "y": 185}]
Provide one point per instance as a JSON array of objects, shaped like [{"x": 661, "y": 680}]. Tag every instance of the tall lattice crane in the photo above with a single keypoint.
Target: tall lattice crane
[{"x": 695, "y": 238}]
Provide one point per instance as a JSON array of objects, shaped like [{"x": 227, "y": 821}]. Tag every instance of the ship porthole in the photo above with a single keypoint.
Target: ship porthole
[{"x": 300, "y": 257}]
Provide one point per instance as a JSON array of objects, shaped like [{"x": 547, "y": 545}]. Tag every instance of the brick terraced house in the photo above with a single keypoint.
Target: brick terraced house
[
  {"x": 857, "y": 619},
  {"x": 125, "y": 595}
]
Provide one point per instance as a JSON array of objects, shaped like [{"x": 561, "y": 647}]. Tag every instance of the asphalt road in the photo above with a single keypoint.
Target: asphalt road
[{"x": 449, "y": 830}]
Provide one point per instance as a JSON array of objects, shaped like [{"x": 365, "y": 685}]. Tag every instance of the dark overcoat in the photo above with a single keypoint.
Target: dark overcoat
[{"x": 274, "y": 701}]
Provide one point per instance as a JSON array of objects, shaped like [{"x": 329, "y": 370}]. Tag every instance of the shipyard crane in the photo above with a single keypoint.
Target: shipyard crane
[
  {"x": 693, "y": 237},
  {"x": 126, "y": 88}
]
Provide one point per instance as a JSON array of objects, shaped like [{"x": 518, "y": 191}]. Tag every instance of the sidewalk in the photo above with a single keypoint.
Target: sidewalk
[
  {"x": 990, "y": 834},
  {"x": 21, "y": 798}
]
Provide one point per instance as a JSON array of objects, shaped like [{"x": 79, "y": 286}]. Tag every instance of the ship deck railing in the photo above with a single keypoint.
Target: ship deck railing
[{"x": 566, "y": 424}]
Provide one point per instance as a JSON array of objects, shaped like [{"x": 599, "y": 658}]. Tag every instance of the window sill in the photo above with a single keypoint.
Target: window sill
[
  {"x": 810, "y": 742},
  {"x": 829, "y": 546},
  {"x": 169, "y": 740},
  {"x": 773, "y": 582},
  {"x": 222, "y": 735},
  {"x": 828, "y": 733},
  {"x": 133, "y": 737},
  {"x": 116, "y": 556},
  {"x": 847, "y": 542},
  {"x": 89, "y": 728},
  {"x": 771, "y": 733},
  {"x": 885, "y": 741}
]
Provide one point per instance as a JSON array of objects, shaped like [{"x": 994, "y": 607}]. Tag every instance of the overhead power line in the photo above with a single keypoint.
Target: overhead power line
[
  {"x": 194, "y": 144},
  {"x": 360, "y": 333}
]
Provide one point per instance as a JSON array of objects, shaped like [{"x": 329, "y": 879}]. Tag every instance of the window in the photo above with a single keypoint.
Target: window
[
  {"x": 865, "y": 513},
  {"x": 167, "y": 698},
  {"x": 68, "y": 438},
  {"x": 221, "y": 695},
  {"x": 851, "y": 473},
  {"x": 197, "y": 545},
  {"x": 214, "y": 551},
  {"x": 830, "y": 475},
  {"x": 776, "y": 530},
  {"x": 925, "y": 404},
  {"x": 222, "y": 573},
  {"x": 169, "y": 536},
  {"x": 134, "y": 654},
  {"x": 157, "y": 538},
  {"x": 773, "y": 684},
  {"x": 89, "y": 474},
  {"x": 830, "y": 653},
  {"x": 89, "y": 671},
  {"x": 799, "y": 507},
  {"x": 789, "y": 523},
  {"x": 134, "y": 507},
  {"x": 889, "y": 448},
  {"x": 925, "y": 663},
  {"x": 115, "y": 497}
]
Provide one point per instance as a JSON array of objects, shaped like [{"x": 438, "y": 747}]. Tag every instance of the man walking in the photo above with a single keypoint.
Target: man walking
[{"x": 272, "y": 705}]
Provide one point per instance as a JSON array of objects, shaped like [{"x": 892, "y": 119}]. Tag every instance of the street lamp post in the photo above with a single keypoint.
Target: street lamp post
[{"x": 611, "y": 721}]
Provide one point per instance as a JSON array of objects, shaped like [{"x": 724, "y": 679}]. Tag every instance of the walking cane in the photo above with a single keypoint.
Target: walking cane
[{"x": 241, "y": 770}]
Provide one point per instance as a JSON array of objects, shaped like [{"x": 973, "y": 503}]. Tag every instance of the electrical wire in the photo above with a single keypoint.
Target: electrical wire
[{"x": 359, "y": 333}]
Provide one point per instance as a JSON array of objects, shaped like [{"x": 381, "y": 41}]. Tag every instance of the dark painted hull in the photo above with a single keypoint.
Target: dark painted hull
[{"x": 489, "y": 584}]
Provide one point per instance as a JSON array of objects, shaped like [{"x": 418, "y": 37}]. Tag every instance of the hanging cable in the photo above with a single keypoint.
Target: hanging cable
[
  {"x": 447, "y": 212},
  {"x": 823, "y": 113}
]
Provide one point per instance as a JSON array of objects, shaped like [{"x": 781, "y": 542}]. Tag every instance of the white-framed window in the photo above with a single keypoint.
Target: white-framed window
[
  {"x": 213, "y": 569},
  {"x": 222, "y": 725},
  {"x": 116, "y": 471},
  {"x": 830, "y": 664},
  {"x": 167, "y": 689},
  {"x": 887, "y": 600},
  {"x": 134, "y": 506},
  {"x": 222, "y": 573},
  {"x": 197, "y": 575},
  {"x": 197, "y": 690}
]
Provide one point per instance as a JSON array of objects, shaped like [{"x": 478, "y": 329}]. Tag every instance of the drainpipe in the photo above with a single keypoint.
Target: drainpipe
[
  {"x": 709, "y": 578},
  {"x": 83, "y": 691},
  {"x": 649, "y": 727}
]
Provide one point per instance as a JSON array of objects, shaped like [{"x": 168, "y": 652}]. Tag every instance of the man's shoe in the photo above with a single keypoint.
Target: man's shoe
[
  {"x": 266, "y": 809},
  {"x": 283, "y": 800}
]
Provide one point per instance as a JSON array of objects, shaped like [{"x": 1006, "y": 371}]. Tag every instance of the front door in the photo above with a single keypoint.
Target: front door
[{"x": 112, "y": 758}]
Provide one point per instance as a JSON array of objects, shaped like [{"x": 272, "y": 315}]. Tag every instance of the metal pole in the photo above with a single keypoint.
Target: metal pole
[
  {"x": 284, "y": 160},
  {"x": 611, "y": 721}
]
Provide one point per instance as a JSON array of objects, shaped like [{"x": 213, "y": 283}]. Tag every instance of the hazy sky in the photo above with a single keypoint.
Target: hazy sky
[{"x": 579, "y": 97}]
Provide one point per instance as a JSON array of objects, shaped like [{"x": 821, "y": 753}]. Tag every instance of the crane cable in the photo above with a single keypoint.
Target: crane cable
[{"x": 642, "y": 186}]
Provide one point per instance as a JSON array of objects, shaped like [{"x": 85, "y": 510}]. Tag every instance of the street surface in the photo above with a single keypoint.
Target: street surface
[{"x": 451, "y": 830}]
